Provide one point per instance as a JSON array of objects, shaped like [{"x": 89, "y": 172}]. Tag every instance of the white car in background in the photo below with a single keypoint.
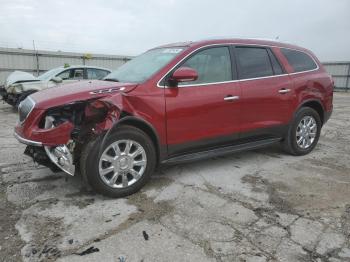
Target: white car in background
[{"x": 21, "y": 84}]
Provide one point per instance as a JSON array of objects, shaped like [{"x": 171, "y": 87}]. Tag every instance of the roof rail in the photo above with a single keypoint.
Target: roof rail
[{"x": 241, "y": 37}]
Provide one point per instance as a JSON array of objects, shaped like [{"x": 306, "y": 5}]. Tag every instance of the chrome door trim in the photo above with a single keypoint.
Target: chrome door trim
[
  {"x": 284, "y": 91},
  {"x": 237, "y": 80},
  {"x": 230, "y": 98}
]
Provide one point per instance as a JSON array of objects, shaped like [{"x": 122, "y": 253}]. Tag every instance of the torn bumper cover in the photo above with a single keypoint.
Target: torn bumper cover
[
  {"x": 62, "y": 131},
  {"x": 46, "y": 137},
  {"x": 26, "y": 141},
  {"x": 54, "y": 140}
]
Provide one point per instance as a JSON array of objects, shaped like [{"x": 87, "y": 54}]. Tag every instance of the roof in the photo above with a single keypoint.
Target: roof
[{"x": 83, "y": 66}]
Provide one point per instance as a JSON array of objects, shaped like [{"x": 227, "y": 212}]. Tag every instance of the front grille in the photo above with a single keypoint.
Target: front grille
[{"x": 25, "y": 107}]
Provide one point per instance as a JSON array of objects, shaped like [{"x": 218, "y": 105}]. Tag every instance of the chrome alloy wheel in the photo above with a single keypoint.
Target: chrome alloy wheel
[
  {"x": 306, "y": 132},
  {"x": 122, "y": 163}
]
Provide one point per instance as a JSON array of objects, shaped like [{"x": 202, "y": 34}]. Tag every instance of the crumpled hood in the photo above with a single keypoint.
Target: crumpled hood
[
  {"x": 19, "y": 77},
  {"x": 78, "y": 91},
  {"x": 26, "y": 86}
]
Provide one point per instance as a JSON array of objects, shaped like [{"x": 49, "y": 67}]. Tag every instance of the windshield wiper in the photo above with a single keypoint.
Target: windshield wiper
[{"x": 111, "y": 79}]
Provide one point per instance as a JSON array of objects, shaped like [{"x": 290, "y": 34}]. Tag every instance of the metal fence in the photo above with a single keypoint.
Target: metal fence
[
  {"x": 340, "y": 72},
  {"x": 37, "y": 62}
]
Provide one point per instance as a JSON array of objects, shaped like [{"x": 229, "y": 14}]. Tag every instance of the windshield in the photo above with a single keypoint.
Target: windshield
[
  {"x": 49, "y": 74},
  {"x": 143, "y": 66}
]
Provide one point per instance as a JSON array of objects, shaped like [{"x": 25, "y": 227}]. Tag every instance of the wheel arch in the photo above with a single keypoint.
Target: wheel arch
[
  {"x": 145, "y": 127},
  {"x": 316, "y": 105}
]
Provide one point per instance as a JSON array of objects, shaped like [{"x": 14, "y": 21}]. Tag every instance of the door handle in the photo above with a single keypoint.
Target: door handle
[
  {"x": 284, "y": 91},
  {"x": 230, "y": 98}
]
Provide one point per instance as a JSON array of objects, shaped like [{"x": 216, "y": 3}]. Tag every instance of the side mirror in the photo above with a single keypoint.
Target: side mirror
[
  {"x": 184, "y": 74},
  {"x": 57, "y": 79}
]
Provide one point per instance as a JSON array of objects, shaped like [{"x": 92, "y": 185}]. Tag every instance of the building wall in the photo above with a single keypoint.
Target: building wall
[{"x": 37, "y": 62}]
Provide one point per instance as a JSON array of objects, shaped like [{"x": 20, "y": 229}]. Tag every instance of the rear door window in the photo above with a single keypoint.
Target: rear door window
[
  {"x": 300, "y": 61},
  {"x": 253, "y": 62},
  {"x": 93, "y": 73},
  {"x": 70, "y": 74}
]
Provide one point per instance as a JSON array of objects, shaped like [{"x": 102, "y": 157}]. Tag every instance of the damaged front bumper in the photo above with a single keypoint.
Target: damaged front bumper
[
  {"x": 9, "y": 98},
  {"x": 60, "y": 155},
  {"x": 26, "y": 141},
  {"x": 62, "y": 131}
]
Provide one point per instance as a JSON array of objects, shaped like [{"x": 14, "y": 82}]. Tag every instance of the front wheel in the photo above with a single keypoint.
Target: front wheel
[
  {"x": 303, "y": 133},
  {"x": 121, "y": 164}
]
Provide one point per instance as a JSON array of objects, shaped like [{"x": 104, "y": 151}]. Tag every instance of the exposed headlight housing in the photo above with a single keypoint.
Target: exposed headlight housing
[
  {"x": 79, "y": 113},
  {"x": 17, "y": 88}
]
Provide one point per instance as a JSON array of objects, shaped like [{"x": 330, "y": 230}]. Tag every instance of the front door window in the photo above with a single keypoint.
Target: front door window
[{"x": 212, "y": 64}]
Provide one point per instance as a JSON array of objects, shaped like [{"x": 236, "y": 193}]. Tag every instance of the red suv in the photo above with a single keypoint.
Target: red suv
[{"x": 177, "y": 103}]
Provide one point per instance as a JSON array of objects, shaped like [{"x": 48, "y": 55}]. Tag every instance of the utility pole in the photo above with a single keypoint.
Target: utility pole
[{"x": 37, "y": 59}]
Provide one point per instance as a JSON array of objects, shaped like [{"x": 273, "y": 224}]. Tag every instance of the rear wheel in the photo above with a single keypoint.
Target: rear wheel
[
  {"x": 303, "y": 133},
  {"x": 121, "y": 164}
]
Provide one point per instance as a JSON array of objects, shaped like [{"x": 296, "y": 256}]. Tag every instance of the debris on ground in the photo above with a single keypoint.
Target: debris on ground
[
  {"x": 90, "y": 250},
  {"x": 145, "y": 235}
]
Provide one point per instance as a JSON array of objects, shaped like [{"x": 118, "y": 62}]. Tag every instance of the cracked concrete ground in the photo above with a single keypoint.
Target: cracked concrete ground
[{"x": 256, "y": 206}]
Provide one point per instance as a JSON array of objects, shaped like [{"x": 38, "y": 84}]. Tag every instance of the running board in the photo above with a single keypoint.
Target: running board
[{"x": 220, "y": 151}]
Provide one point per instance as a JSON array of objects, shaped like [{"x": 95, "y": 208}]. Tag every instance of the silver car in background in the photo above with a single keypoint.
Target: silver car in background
[{"x": 21, "y": 84}]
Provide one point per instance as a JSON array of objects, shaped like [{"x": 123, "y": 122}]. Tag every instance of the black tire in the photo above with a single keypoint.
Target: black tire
[
  {"x": 89, "y": 160},
  {"x": 289, "y": 144}
]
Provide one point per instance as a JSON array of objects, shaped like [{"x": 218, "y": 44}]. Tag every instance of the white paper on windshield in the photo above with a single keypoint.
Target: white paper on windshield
[{"x": 172, "y": 50}]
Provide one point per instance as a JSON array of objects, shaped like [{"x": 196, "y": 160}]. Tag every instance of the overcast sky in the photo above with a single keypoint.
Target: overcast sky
[{"x": 129, "y": 27}]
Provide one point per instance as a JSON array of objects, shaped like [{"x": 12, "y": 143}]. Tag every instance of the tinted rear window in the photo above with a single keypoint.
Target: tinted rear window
[
  {"x": 300, "y": 61},
  {"x": 253, "y": 62}
]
